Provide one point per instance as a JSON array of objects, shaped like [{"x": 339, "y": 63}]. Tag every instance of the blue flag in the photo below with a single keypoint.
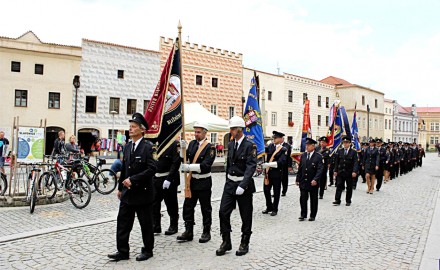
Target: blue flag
[
  {"x": 338, "y": 129},
  {"x": 354, "y": 133},
  {"x": 345, "y": 120},
  {"x": 253, "y": 121}
]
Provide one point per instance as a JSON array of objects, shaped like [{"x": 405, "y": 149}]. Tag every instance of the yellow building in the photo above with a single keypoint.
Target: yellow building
[
  {"x": 429, "y": 126},
  {"x": 36, "y": 83}
]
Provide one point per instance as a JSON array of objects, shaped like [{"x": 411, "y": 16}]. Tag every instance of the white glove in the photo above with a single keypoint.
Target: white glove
[
  {"x": 166, "y": 184},
  {"x": 239, "y": 191},
  {"x": 194, "y": 168},
  {"x": 183, "y": 144},
  {"x": 269, "y": 165},
  {"x": 184, "y": 168}
]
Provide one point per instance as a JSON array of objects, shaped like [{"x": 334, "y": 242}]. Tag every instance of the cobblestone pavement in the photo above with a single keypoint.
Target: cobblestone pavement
[{"x": 386, "y": 230}]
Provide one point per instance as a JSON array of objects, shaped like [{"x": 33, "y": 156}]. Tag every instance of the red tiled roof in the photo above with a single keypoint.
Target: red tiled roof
[
  {"x": 404, "y": 109},
  {"x": 117, "y": 45},
  {"x": 335, "y": 81},
  {"x": 428, "y": 110}
]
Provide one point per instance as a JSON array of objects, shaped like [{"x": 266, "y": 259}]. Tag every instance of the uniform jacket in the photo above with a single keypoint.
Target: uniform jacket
[
  {"x": 205, "y": 159},
  {"x": 371, "y": 160},
  {"x": 325, "y": 153},
  {"x": 170, "y": 161},
  {"x": 288, "y": 152},
  {"x": 280, "y": 158},
  {"x": 345, "y": 165},
  {"x": 421, "y": 153},
  {"x": 243, "y": 163},
  {"x": 140, "y": 167},
  {"x": 382, "y": 157},
  {"x": 309, "y": 170}
]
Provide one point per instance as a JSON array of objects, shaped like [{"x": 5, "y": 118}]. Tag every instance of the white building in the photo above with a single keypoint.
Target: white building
[
  {"x": 388, "y": 119},
  {"x": 116, "y": 79},
  {"x": 405, "y": 123}
]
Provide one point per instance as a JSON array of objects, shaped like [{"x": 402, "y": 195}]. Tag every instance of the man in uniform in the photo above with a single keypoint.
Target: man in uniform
[
  {"x": 346, "y": 169},
  {"x": 201, "y": 155},
  {"x": 382, "y": 159},
  {"x": 307, "y": 178},
  {"x": 166, "y": 180},
  {"x": 277, "y": 156},
  {"x": 331, "y": 168},
  {"x": 286, "y": 167},
  {"x": 370, "y": 164},
  {"x": 421, "y": 155},
  {"x": 239, "y": 187},
  {"x": 136, "y": 192},
  {"x": 325, "y": 153},
  {"x": 415, "y": 154}
]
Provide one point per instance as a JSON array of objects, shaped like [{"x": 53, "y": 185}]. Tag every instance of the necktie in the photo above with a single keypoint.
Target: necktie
[
  {"x": 235, "y": 148},
  {"x": 134, "y": 147},
  {"x": 308, "y": 156},
  {"x": 346, "y": 151}
]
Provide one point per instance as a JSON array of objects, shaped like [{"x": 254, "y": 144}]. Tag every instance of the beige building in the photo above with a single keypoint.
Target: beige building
[
  {"x": 351, "y": 94},
  {"x": 36, "y": 83},
  {"x": 388, "y": 120},
  {"x": 429, "y": 126}
]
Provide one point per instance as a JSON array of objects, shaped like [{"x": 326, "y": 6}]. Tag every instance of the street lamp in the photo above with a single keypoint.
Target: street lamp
[
  {"x": 76, "y": 84},
  {"x": 368, "y": 122},
  {"x": 113, "y": 128}
]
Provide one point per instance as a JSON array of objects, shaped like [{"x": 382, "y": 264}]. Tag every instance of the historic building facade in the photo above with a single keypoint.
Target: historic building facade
[
  {"x": 116, "y": 81},
  {"x": 211, "y": 77},
  {"x": 388, "y": 105},
  {"x": 405, "y": 123},
  {"x": 429, "y": 126},
  {"x": 36, "y": 83}
]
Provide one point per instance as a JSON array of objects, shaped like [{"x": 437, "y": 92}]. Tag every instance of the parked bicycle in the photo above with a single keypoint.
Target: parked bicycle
[
  {"x": 102, "y": 180},
  {"x": 32, "y": 196},
  {"x": 3, "y": 184}
]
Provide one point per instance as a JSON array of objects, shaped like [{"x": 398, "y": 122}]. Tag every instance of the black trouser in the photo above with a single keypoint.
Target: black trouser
[
  {"x": 285, "y": 178},
  {"x": 304, "y": 197},
  {"x": 341, "y": 182},
  {"x": 396, "y": 169},
  {"x": 330, "y": 173},
  {"x": 362, "y": 173},
  {"x": 379, "y": 177},
  {"x": 204, "y": 196},
  {"x": 125, "y": 224},
  {"x": 323, "y": 181},
  {"x": 274, "y": 182},
  {"x": 245, "y": 207},
  {"x": 355, "y": 181},
  {"x": 420, "y": 162},
  {"x": 169, "y": 196}
]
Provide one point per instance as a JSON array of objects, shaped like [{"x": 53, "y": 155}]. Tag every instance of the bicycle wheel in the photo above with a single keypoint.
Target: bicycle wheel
[
  {"x": 33, "y": 196},
  {"x": 47, "y": 185},
  {"x": 80, "y": 193},
  {"x": 106, "y": 181},
  {"x": 3, "y": 184}
]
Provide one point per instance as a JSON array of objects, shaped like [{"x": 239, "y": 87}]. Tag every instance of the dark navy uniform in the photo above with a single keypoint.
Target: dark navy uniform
[
  {"x": 309, "y": 170},
  {"x": 167, "y": 169},
  {"x": 286, "y": 166},
  {"x": 325, "y": 152},
  {"x": 379, "y": 173},
  {"x": 331, "y": 169},
  {"x": 346, "y": 163},
  {"x": 140, "y": 167},
  {"x": 371, "y": 160},
  {"x": 274, "y": 177}
]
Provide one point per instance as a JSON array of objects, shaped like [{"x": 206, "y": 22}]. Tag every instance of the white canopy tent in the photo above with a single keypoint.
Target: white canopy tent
[{"x": 195, "y": 112}]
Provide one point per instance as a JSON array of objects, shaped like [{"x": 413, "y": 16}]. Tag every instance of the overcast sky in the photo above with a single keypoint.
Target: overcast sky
[{"x": 392, "y": 46}]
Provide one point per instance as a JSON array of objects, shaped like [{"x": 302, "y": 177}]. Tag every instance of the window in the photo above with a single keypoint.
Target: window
[
  {"x": 131, "y": 106},
  {"x": 389, "y": 124},
  {"x": 120, "y": 74},
  {"x": 319, "y": 101},
  {"x": 434, "y": 140},
  {"x": 214, "y": 137},
  {"x": 327, "y": 102},
  {"x": 269, "y": 95},
  {"x": 289, "y": 117},
  {"x": 375, "y": 103},
  {"x": 319, "y": 120},
  {"x": 146, "y": 101},
  {"x": 386, "y": 124},
  {"x": 39, "y": 68},
  {"x": 363, "y": 100},
  {"x": 112, "y": 133},
  {"x": 364, "y": 123},
  {"x": 290, "y": 96},
  {"x": 114, "y": 105},
  {"x": 15, "y": 66},
  {"x": 199, "y": 80},
  {"x": 90, "y": 104},
  {"x": 214, "y": 109},
  {"x": 326, "y": 120},
  {"x": 54, "y": 100},
  {"x": 304, "y": 97},
  {"x": 20, "y": 98},
  {"x": 435, "y": 126},
  {"x": 214, "y": 82},
  {"x": 274, "y": 119},
  {"x": 231, "y": 112}
]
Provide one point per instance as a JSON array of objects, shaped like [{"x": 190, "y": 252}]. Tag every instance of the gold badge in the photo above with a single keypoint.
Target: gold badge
[
  {"x": 254, "y": 150},
  {"x": 212, "y": 152},
  {"x": 155, "y": 152}
]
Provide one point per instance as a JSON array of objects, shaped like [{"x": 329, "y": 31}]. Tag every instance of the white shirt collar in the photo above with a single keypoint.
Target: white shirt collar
[
  {"x": 136, "y": 144},
  {"x": 311, "y": 153},
  {"x": 239, "y": 141}
]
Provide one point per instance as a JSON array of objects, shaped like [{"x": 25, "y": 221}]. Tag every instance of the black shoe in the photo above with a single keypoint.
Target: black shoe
[
  {"x": 274, "y": 213},
  {"x": 226, "y": 244},
  {"x": 144, "y": 256},
  {"x": 336, "y": 203},
  {"x": 187, "y": 235},
  {"x": 206, "y": 235},
  {"x": 348, "y": 204},
  {"x": 157, "y": 230},
  {"x": 320, "y": 197},
  {"x": 118, "y": 256},
  {"x": 312, "y": 219},
  {"x": 266, "y": 211},
  {"x": 301, "y": 218},
  {"x": 244, "y": 245},
  {"x": 377, "y": 190},
  {"x": 330, "y": 185},
  {"x": 171, "y": 230},
  {"x": 283, "y": 194},
  {"x": 354, "y": 187}
]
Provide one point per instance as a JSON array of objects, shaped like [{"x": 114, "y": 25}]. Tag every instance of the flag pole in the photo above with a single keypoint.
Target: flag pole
[{"x": 187, "y": 181}]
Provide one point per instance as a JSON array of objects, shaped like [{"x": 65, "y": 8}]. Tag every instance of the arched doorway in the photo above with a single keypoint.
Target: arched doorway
[
  {"x": 86, "y": 137},
  {"x": 51, "y": 136}
]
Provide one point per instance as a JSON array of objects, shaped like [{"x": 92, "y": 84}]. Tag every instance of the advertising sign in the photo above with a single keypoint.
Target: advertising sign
[{"x": 30, "y": 144}]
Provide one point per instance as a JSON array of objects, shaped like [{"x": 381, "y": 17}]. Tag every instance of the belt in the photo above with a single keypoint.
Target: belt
[
  {"x": 200, "y": 176},
  {"x": 235, "y": 178},
  {"x": 162, "y": 174}
]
